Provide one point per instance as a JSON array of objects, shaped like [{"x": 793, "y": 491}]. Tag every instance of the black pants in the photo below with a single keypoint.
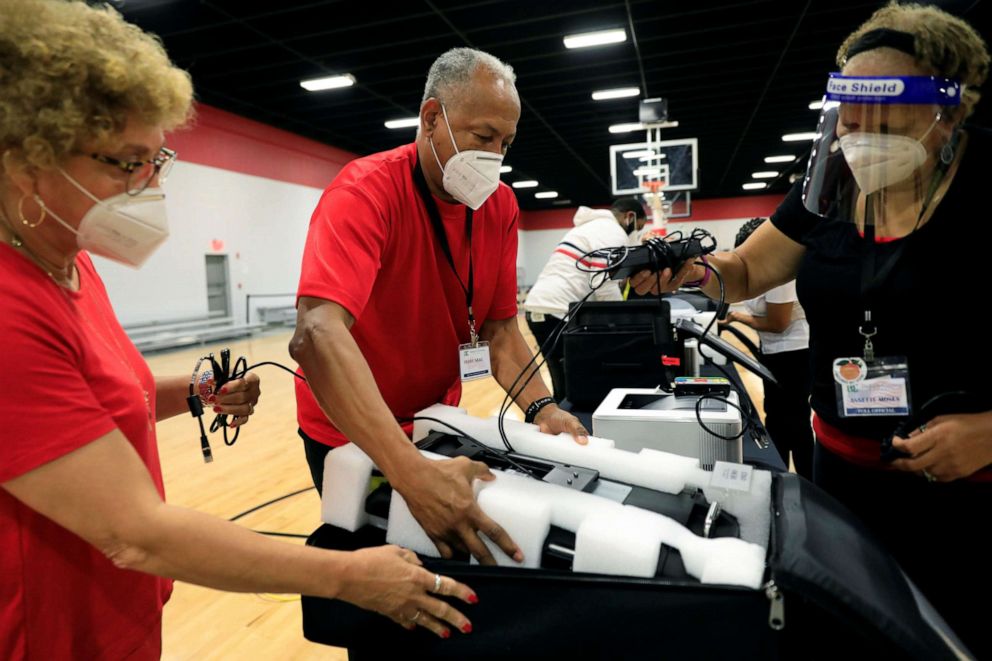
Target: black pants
[
  {"x": 555, "y": 357},
  {"x": 932, "y": 530},
  {"x": 787, "y": 413},
  {"x": 316, "y": 452}
]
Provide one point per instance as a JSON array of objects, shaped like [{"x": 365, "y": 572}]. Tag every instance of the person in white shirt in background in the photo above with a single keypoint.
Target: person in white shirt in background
[
  {"x": 781, "y": 324},
  {"x": 560, "y": 283}
]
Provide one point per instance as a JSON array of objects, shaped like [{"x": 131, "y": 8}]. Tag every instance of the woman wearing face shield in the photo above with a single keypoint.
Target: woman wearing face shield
[
  {"x": 878, "y": 236},
  {"x": 88, "y": 547}
]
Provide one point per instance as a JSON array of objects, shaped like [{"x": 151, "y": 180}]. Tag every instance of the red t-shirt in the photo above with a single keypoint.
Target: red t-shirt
[
  {"x": 372, "y": 250},
  {"x": 65, "y": 382}
]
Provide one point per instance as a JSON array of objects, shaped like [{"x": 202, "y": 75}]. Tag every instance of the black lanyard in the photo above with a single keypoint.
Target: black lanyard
[
  {"x": 442, "y": 238},
  {"x": 872, "y": 281}
]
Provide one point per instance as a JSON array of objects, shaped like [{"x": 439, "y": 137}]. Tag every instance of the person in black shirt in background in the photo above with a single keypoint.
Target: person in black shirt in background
[{"x": 881, "y": 237}]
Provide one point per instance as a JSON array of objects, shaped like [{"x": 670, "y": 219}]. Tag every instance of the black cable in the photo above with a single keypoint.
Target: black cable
[
  {"x": 699, "y": 417},
  {"x": 474, "y": 441},
  {"x": 723, "y": 293},
  {"x": 543, "y": 350},
  {"x": 270, "y": 502},
  {"x": 219, "y": 372},
  {"x": 270, "y": 533}
]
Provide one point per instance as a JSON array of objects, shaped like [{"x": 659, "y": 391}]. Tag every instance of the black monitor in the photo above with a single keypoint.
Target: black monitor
[{"x": 724, "y": 348}]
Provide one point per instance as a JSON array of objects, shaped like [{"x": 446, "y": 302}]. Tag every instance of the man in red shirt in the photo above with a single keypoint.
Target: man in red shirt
[{"x": 410, "y": 263}]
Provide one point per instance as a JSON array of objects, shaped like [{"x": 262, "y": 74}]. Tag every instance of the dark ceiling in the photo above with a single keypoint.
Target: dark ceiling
[{"x": 737, "y": 74}]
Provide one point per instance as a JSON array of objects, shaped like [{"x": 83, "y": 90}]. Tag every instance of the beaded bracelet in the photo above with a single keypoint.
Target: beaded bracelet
[{"x": 536, "y": 407}]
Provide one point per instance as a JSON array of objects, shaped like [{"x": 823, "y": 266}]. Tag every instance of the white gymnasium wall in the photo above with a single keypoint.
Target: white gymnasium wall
[{"x": 261, "y": 222}]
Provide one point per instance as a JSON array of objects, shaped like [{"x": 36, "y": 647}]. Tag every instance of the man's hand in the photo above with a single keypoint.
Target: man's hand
[
  {"x": 552, "y": 420},
  {"x": 440, "y": 496}
]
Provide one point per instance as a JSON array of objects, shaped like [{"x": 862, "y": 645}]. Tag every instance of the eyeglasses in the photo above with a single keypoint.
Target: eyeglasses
[{"x": 141, "y": 173}]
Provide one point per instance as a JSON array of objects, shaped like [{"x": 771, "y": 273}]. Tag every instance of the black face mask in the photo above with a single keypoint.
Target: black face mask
[{"x": 630, "y": 227}]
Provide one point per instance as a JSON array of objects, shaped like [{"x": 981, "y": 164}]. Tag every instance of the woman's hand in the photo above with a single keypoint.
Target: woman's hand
[
  {"x": 392, "y": 581},
  {"x": 645, "y": 282},
  {"x": 949, "y": 447},
  {"x": 237, "y": 398}
]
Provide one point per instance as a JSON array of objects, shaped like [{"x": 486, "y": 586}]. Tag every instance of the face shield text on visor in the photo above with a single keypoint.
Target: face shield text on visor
[{"x": 880, "y": 148}]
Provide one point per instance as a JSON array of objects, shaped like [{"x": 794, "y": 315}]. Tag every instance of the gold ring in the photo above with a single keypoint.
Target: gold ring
[{"x": 437, "y": 583}]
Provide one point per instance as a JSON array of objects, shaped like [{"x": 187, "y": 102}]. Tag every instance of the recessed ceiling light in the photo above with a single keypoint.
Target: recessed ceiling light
[
  {"x": 546, "y": 195},
  {"x": 754, "y": 185},
  {"x": 598, "y": 38},
  {"x": 816, "y": 105},
  {"x": 503, "y": 169},
  {"x": 328, "y": 83},
  {"x": 619, "y": 93},
  {"x": 799, "y": 137},
  {"x": 406, "y": 122},
  {"x": 767, "y": 174},
  {"x": 779, "y": 159},
  {"x": 527, "y": 183}
]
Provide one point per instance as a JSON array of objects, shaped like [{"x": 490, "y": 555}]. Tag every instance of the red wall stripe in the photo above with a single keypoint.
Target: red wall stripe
[
  {"x": 224, "y": 140},
  {"x": 716, "y": 209}
]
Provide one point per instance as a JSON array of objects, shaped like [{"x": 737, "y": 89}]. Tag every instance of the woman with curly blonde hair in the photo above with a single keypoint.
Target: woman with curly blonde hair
[
  {"x": 881, "y": 237},
  {"x": 88, "y": 546}
]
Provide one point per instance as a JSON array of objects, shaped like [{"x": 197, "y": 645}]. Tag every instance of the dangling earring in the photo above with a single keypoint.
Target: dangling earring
[
  {"x": 20, "y": 212},
  {"x": 946, "y": 154}
]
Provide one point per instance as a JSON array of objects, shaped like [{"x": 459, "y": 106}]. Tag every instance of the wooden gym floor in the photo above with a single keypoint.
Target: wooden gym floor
[{"x": 266, "y": 463}]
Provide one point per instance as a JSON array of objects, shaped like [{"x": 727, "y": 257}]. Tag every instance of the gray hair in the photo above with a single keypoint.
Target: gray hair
[{"x": 455, "y": 68}]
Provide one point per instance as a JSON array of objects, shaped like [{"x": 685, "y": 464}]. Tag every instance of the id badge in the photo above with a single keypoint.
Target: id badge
[
  {"x": 872, "y": 389},
  {"x": 474, "y": 361}
]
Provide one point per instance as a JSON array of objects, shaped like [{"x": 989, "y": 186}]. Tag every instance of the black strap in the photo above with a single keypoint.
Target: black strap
[
  {"x": 442, "y": 238},
  {"x": 883, "y": 38}
]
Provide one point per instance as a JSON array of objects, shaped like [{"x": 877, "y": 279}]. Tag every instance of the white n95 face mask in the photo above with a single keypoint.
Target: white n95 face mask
[
  {"x": 124, "y": 228},
  {"x": 470, "y": 176},
  {"x": 878, "y": 160}
]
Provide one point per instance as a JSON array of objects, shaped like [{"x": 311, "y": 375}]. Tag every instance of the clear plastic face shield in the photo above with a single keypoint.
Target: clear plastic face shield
[{"x": 883, "y": 145}]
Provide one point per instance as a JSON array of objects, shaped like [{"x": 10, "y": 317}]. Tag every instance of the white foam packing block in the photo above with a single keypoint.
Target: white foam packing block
[
  {"x": 568, "y": 507},
  {"x": 525, "y": 521},
  {"x": 403, "y": 530},
  {"x": 723, "y": 560},
  {"x": 347, "y": 471},
  {"x": 752, "y": 509},
  {"x": 620, "y": 544},
  {"x": 486, "y": 430}
]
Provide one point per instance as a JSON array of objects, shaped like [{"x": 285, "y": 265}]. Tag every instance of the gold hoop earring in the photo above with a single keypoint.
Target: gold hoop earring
[{"x": 25, "y": 221}]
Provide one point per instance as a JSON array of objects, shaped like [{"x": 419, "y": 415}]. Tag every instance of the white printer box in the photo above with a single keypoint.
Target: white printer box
[{"x": 636, "y": 418}]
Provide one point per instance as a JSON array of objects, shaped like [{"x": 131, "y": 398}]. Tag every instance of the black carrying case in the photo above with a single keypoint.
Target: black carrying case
[
  {"x": 835, "y": 590},
  {"x": 618, "y": 344}
]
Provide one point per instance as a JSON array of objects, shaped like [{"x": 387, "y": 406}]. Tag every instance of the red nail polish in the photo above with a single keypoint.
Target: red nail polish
[
  {"x": 212, "y": 399},
  {"x": 217, "y": 409},
  {"x": 223, "y": 390},
  {"x": 473, "y": 598},
  {"x": 467, "y": 628},
  {"x": 446, "y": 634}
]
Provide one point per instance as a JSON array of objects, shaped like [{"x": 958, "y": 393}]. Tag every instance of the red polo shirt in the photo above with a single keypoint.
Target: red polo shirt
[
  {"x": 372, "y": 250},
  {"x": 67, "y": 377}
]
